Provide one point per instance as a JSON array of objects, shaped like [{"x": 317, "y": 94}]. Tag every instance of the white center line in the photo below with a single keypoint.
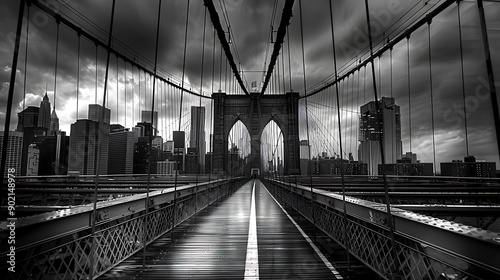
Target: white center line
[{"x": 252, "y": 261}]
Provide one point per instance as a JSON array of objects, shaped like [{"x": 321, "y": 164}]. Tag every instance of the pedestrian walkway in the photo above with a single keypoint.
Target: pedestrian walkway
[{"x": 246, "y": 236}]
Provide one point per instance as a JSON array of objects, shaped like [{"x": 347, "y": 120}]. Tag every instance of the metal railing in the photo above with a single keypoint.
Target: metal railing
[
  {"x": 58, "y": 245},
  {"x": 425, "y": 248}
]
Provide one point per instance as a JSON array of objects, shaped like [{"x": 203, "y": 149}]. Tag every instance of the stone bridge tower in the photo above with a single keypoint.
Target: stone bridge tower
[{"x": 255, "y": 113}]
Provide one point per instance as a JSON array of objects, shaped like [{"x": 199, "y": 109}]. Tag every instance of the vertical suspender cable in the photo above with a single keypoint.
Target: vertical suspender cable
[
  {"x": 390, "y": 221},
  {"x": 409, "y": 85},
  {"x": 220, "y": 70},
  {"x": 133, "y": 95},
  {"x": 26, "y": 56},
  {"x": 489, "y": 69},
  {"x": 11, "y": 89},
  {"x": 140, "y": 99},
  {"x": 198, "y": 115},
  {"x": 93, "y": 247},
  {"x": 392, "y": 119},
  {"x": 463, "y": 78},
  {"x": 432, "y": 97},
  {"x": 57, "y": 55},
  {"x": 213, "y": 63},
  {"x": 353, "y": 132},
  {"x": 96, "y": 50},
  {"x": 150, "y": 141},
  {"x": 390, "y": 55},
  {"x": 289, "y": 60},
  {"x": 117, "y": 87},
  {"x": 379, "y": 74},
  {"x": 180, "y": 114},
  {"x": 78, "y": 74},
  {"x": 283, "y": 70},
  {"x": 307, "y": 119},
  {"x": 344, "y": 228},
  {"x": 125, "y": 91}
]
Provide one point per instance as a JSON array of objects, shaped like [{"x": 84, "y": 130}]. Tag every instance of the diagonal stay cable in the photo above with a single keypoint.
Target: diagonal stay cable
[
  {"x": 214, "y": 16},
  {"x": 280, "y": 37}
]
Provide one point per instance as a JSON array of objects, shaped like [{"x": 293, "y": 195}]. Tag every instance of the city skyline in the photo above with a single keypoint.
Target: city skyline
[{"x": 448, "y": 104}]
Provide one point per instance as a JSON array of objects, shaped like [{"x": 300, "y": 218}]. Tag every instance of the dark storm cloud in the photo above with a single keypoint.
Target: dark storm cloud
[{"x": 135, "y": 27}]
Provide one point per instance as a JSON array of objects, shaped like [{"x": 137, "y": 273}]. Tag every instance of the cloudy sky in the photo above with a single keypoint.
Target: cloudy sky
[{"x": 134, "y": 32}]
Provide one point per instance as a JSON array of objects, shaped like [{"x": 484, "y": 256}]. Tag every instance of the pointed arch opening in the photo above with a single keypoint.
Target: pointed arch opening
[
  {"x": 239, "y": 149},
  {"x": 272, "y": 150}
]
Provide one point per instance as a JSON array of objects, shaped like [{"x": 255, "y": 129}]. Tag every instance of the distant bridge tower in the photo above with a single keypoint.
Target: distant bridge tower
[{"x": 255, "y": 113}]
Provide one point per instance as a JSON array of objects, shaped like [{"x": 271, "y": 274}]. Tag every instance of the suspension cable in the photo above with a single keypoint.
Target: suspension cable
[
  {"x": 224, "y": 44},
  {"x": 11, "y": 88},
  {"x": 96, "y": 50},
  {"x": 387, "y": 46},
  {"x": 462, "y": 78},
  {"x": 289, "y": 60},
  {"x": 125, "y": 90},
  {"x": 55, "y": 70},
  {"x": 99, "y": 146},
  {"x": 409, "y": 85},
  {"x": 180, "y": 115},
  {"x": 78, "y": 75},
  {"x": 184, "y": 63},
  {"x": 489, "y": 69},
  {"x": 432, "y": 97},
  {"x": 285, "y": 21},
  {"x": 306, "y": 110},
  {"x": 117, "y": 86},
  {"x": 26, "y": 56},
  {"x": 151, "y": 137},
  {"x": 198, "y": 128},
  {"x": 382, "y": 151}
]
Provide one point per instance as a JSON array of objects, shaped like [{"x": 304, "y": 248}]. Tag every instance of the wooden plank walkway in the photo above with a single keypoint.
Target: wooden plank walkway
[{"x": 215, "y": 245}]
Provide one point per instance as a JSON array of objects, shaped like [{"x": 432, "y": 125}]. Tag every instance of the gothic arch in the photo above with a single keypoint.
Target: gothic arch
[{"x": 255, "y": 113}]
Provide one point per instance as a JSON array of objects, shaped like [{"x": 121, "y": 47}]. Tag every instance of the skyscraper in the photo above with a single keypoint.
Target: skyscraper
[
  {"x": 44, "y": 115},
  {"x": 304, "y": 156},
  {"x": 383, "y": 125},
  {"x": 53, "y": 158},
  {"x": 146, "y": 118},
  {"x": 14, "y": 151},
  {"x": 121, "y": 151},
  {"x": 86, "y": 136},
  {"x": 28, "y": 118},
  {"x": 197, "y": 134},
  {"x": 28, "y": 122},
  {"x": 54, "y": 123},
  {"x": 96, "y": 114}
]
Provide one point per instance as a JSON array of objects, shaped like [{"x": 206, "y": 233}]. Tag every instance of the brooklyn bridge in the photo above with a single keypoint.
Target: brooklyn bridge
[{"x": 239, "y": 139}]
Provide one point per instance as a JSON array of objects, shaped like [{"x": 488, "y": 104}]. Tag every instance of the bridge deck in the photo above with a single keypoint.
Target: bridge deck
[{"x": 218, "y": 245}]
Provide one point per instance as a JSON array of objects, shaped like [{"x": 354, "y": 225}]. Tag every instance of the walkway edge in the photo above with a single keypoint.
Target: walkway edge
[{"x": 316, "y": 249}]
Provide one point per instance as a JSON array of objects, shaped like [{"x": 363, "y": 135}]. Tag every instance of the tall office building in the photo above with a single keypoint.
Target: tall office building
[
  {"x": 44, "y": 115},
  {"x": 28, "y": 122},
  {"x": 146, "y": 118},
  {"x": 86, "y": 136},
  {"x": 53, "y": 158},
  {"x": 98, "y": 113},
  {"x": 145, "y": 157},
  {"x": 304, "y": 157},
  {"x": 179, "y": 149},
  {"x": 28, "y": 118},
  {"x": 33, "y": 160},
  {"x": 383, "y": 125},
  {"x": 197, "y": 134},
  {"x": 14, "y": 151},
  {"x": 54, "y": 123},
  {"x": 121, "y": 151}
]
